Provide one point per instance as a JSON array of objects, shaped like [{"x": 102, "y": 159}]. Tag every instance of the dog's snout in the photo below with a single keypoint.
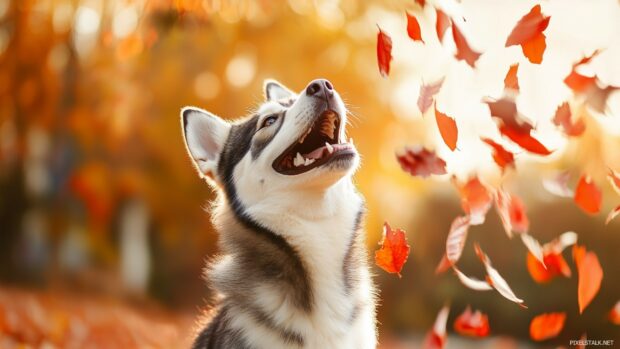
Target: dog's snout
[{"x": 320, "y": 87}]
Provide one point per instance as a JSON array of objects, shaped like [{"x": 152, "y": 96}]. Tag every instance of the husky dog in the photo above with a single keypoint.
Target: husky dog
[{"x": 294, "y": 271}]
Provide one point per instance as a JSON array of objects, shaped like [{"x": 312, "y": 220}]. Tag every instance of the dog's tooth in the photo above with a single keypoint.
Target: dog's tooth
[
  {"x": 330, "y": 149},
  {"x": 299, "y": 160},
  {"x": 308, "y": 162}
]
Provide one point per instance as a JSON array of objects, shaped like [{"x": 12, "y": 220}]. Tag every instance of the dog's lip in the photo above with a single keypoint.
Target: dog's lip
[{"x": 321, "y": 155}]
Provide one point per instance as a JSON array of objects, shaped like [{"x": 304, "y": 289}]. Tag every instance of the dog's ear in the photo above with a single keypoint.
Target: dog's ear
[
  {"x": 275, "y": 91},
  {"x": 205, "y": 135}
]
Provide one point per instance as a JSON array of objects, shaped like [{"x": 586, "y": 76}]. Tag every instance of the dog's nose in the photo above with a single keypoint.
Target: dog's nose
[{"x": 320, "y": 87}]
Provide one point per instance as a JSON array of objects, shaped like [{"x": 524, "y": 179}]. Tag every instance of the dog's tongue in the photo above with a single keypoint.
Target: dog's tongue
[{"x": 316, "y": 153}]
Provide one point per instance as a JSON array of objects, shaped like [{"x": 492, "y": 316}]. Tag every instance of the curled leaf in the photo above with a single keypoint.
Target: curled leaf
[
  {"x": 456, "y": 238},
  {"x": 384, "y": 53},
  {"x": 502, "y": 157},
  {"x": 529, "y": 34},
  {"x": 495, "y": 279},
  {"x": 612, "y": 214},
  {"x": 472, "y": 283},
  {"x": 436, "y": 338},
  {"x": 562, "y": 119},
  {"x": 511, "y": 210},
  {"x": 472, "y": 324},
  {"x": 475, "y": 200}
]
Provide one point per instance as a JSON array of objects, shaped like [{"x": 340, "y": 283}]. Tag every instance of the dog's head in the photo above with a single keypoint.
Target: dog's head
[{"x": 292, "y": 141}]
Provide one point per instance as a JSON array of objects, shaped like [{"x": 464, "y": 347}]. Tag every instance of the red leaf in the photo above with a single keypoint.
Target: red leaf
[
  {"x": 597, "y": 96},
  {"x": 447, "y": 128},
  {"x": 529, "y": 34},
  {"x": 563, "y": 119},
  {"x": 555, "y": 265},
  {"x": 502, "y": 157},
  {"x": 547, "y": 326},
  {"x": 590, "y": 277},
  {"x": 394, "y": 250},
  {"x": 614, "y": 314},
  {"x": 442, "y": 24},
  {"x": 588, "y": 196},
  {"x": 419, "y": 161},
  {"x": 612, "y": 214},
  {"x": 516, "y": 130},
  {"x": 421, "y": 2},
  {"x": 511, "y": 210},
  {"x": 495, "y": 279},
  {"x": 456, "y": 238},
  {"x": 463, "y": 50},
  {"x": 511, "y": 81},
  {"x": 473, "y": 324},
  {"x": 614, "y": 179},
  {"x": 443, "y": 266},
  {"x": 413, "y": 28},
  {"x": 427, "y": 95},
  {"x": 578, "y": 82},
  {"x": 436, "y": 338},
  {"x": 384, "y": 52},
  {"x": 475, "y": 200}
]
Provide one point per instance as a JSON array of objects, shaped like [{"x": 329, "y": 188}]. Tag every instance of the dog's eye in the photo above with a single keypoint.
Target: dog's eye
[{"x": 268, "y": 121}]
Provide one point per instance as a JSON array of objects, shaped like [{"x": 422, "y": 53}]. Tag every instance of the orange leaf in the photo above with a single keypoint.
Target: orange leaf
[
  {"x": 502, "y": 157},
  {"x": 547, "y": 326},
  {"x": 578, "y": 82},
  {"x": 555, "y": 265},
  {"x": 419, "y": 161},
  {"x": 511, "y": 81},
  {"x": 394, "y": 250},
  {"x": 612, "y": 214},
  {"x": 421, "y": 2},
  {"x": 473, "y": 324},
  {"x": 413, "y": 28},
  {"x": 443, "y": 266},
  {"x": 588, "y": 196},
  {"x": 614, "y": 314},
  {"x": 529, "y": 34},
  {"x": 524, "y": 140},
  {"x": 427, "y": 95},
  {"x": 463, "y": 51},
  {"x": 384, "y": 53},
  {"x": 456, "y": 238},
  {"x": 436, "y": 338},
  {"x": 590, "y": 277},
  {"x": 475, "y": 200},
  {"x": 447, "y": 128},
  {"x": 442, "y": 24},
  {"x": 562, "y": 118}
]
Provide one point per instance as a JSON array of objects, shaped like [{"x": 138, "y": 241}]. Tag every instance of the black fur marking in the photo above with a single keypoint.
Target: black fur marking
[
  {"x": 237, "y": 145},
  {"x": 349, "y": 257},
  {"x": 288, "y": 336},
  {"x": 260, "y": 145},
  {"x": 219, "y": 335}
]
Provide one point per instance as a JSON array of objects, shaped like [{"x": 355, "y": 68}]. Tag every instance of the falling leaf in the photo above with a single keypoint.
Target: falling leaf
[
  {"x": 511, "y": 210},
  {"x": 547, "y": 326},
  {"x": 558, "y": 185},
  {"x": 562, "y": 119},
  {"x": 612, "y": 214},
  {"x": 529, "y": 34},
  {"x": 502, "y": 157},
  {"x": 413, "y": 28},
  {"x": 517, "y": 131},
  {"x": 442, "y": 24},
  {"x": 394, "y": 250},
  {"x": 596, "y": 96},
  {"x": 436, "y": 338},
  {"x": 588, "y": 196},
  {"x": 533, "y": 247},
  {"x": 553, "y": 263},
  {"x": 614, "y": 179},
  {"x": 384, "y": 53},
  {"x": 472, "y": 283},
  {"x": 427, "y": 95},
  {"x": 443, "y": 266},
  {"x": 447, "y": 128},
  {"x": 419, "y": 161},
  {"x": 463, "y": 51},
  {"x": 456, "y": 238},
  {"x": 495, "y": 279},
  {"x": 472, "y": 324},
  {"x": 475, "y": 200},
  {"x": 578, "y": 82},
  {"x": 590, "y": 277},
  {"x": 511, "y": 81},
  {"x": 421, "y": 2},
  {"x": 614, "y": 314}
]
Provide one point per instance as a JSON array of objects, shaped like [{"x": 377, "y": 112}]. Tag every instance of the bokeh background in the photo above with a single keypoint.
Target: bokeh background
[{"x": 103, "y": 232}]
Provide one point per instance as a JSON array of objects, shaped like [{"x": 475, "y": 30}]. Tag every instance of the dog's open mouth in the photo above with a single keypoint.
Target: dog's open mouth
[{"x": 319, "y": 145}]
